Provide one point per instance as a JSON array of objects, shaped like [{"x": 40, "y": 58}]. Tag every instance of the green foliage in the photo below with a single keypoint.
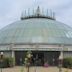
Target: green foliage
[
  {"x": 28, "y": 58},
  {"x": 67, "y": 62},
  {"x": 6, "y": 62},
  {"x": 10, "y": 60}
]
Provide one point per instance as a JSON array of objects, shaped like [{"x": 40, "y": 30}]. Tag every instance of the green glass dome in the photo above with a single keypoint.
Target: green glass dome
[{"x": 36, "y": 30}]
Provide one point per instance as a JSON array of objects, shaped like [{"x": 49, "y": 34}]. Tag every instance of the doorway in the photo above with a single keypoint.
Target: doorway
[
  {"x": 38, "y": 58},
  {"x": 51, "y": 57},
  {"x": 19, "y": 57}
]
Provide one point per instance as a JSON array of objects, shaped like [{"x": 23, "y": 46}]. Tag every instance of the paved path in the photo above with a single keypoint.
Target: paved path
[{"x": 34, "y": 69}]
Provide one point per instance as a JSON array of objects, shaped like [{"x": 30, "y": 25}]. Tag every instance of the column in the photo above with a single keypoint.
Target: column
[
  {"x": 13, "y": 56},
  {"x": 61, "y": 55},
  {"x": 60, "y": 61}
]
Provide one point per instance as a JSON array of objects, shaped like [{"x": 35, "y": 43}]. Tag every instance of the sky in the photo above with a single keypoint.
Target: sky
[{"x": 10, "y": 10}]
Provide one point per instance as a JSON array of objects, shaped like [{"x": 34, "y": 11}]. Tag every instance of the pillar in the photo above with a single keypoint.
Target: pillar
[
  {"x": 13, "y": 56},
  {"x": 61, "y": 55},
  {"x": 60, "y": 61}
]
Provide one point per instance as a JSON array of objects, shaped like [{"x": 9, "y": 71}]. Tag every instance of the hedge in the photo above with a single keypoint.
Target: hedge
[
  {"x": 7, "y": 62},
  {"x": 67, "y": 62}
]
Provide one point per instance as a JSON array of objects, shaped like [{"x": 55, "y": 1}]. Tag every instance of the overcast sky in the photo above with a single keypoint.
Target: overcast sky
[{"x": 10, "y": 10}]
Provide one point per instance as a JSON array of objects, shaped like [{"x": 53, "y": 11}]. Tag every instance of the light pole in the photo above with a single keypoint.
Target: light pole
[
  {"x": 1, "y": 60},
  {"x": 60, "y": 61}
]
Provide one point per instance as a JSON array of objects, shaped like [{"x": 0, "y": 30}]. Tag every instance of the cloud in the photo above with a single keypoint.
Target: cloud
[
  {"x": 10, "y": 10},
  {"x": 52, "y": 3},
  {"x": 65, "y": 16}
]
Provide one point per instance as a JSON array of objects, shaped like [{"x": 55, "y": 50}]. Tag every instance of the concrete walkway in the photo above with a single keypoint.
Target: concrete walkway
[{"x": 34, "y": 69}]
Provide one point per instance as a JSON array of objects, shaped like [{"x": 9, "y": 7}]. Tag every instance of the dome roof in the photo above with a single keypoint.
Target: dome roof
[{"x": 36, "y": 30}]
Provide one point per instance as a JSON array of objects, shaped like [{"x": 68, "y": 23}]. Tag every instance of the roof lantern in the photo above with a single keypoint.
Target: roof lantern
[{"x": 38, "y": 13}]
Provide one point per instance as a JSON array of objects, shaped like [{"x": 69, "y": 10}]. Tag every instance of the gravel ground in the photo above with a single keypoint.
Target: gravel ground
[{"x": 34, "y": 69}]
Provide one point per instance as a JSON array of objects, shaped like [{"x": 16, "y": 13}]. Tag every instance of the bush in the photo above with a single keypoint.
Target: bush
[
  {"x": 11, "y": 62},
  {"x": 67, "y": 62},
  {"x": 6, "y": 62}
]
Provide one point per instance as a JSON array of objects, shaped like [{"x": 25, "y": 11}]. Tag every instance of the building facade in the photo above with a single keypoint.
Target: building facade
[{"x": 47, "y": 38}]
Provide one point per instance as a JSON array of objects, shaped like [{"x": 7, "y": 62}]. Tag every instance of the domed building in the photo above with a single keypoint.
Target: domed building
[{"x": 41, "y": 34}]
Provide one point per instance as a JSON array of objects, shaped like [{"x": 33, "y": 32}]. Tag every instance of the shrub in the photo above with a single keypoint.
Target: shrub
[
  {"x": 6, "y": 62},
  {"x": 67, "y": 62}
]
